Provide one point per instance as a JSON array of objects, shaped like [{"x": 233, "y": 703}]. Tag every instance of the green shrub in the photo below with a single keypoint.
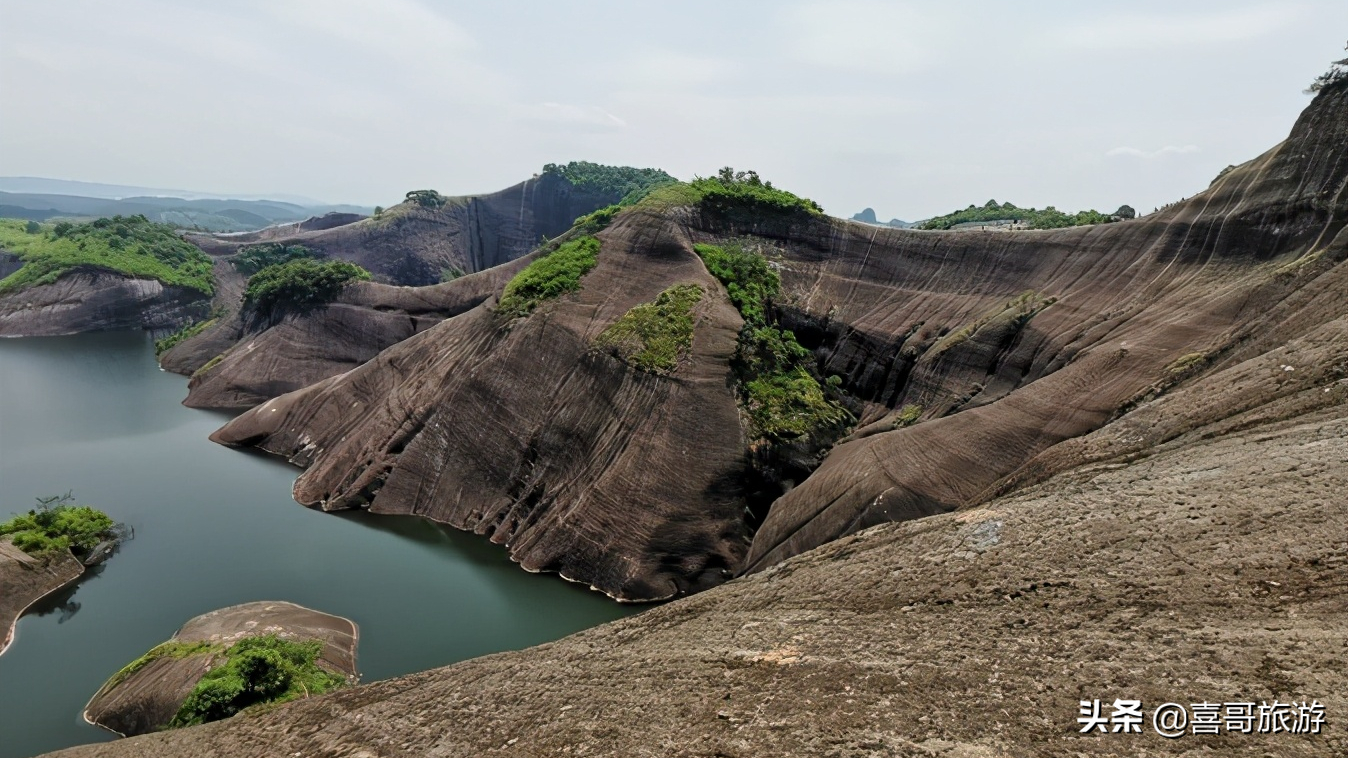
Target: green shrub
[
  {"x": 257, "y": 670},
  {"x": 450, "y": 273},
  {"x": 58, "y": 524},
  {"x": 782, "y": 397},
  {"x": 653, "y": 337},
  {"x": 1049, "y": 218},
  {"x": 747, "y": 277},
  {"x": 548, "y": 277},
  {"x": 187, "y": 332},
  {"x": 300, "y": 283},
  {"x": 253, "y": 258},
  {"x": 32, "y": 227},
  {"x": 129, "y": 245},
  {"x": 427, "y": 198},
  {"x": 908, "y": 415},
  {"x": 742, "y": 193},
  {"x": 622, "y": 183}
]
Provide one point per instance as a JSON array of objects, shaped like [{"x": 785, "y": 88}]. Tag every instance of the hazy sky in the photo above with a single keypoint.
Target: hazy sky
[{"x": 912, "y": 108}]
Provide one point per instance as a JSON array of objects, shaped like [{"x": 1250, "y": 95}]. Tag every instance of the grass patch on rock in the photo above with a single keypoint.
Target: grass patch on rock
[
  {"x": 170, "y": 649},
  {"x": 548, "y": 277},
  {"x": 654, "y": 337},
  {"x": 187, "y": 332},
  {"x": 132, "y": 246},
  {"x": 259, "y": 670}
]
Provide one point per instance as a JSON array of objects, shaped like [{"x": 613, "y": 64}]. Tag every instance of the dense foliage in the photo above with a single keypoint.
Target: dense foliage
[
  {"x": 742, "y": 193},
  {"x": 593, "y": 223},
  {"x": 265, "y": 669},
  {"x": 253, "y": 258},
  {"x": 300, "y": 283},
  {"x": 187, "y": 332},
  {"x": 782, "y": 397},
  {"x": 427, "y": 198},
  {"x": 58, "y": 524},
  {"x": 653, "y": 337},
  {"x": 620, "y": 182},
  {"x": 130, "y": 245},
  {"x": 1335, "y": 76},
  {"x": 550, "y": 276},
  {"x": 1048, "y": 218}
]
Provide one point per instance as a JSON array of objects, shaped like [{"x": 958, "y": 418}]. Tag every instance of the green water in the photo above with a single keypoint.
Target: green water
[{"x": 216, "y": 527}]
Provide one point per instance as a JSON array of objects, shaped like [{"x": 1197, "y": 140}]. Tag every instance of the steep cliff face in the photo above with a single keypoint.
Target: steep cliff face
[
  {"x": 971, "y": 356},
  {"x": 88, "y": 300}
]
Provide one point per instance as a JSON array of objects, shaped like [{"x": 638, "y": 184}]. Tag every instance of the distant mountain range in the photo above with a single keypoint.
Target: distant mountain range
[
  {"x": 41, "y": 199},
  {"x": 867, "y": 216}
]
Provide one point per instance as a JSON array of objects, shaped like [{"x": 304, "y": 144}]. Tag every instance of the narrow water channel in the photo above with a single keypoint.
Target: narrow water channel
[{"x": 94, "y": 415}]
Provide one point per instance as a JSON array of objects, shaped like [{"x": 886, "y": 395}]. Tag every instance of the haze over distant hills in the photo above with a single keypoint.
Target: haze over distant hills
[
  {"x": 867, "y": 216},
  {"x": 40, "y": 199}
]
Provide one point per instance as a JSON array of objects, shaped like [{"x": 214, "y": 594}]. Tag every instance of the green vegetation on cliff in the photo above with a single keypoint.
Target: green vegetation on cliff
[
  {"x": 187, "y": 332},
  {"x": 742, "y": 193},
  {"x": 1048, "y": 218},
  {"x": 653, "y": 337},
  {"x": 303, "y": 282},
  {"x": 129, "y": 245},
  {"x": 551, "y": 275},
  {"x": 253, "y": 258},
  {"x": 170, "y": 649},
  {"x": 629, "y": 184},
  {"x": 257, "y": 670},
  {"x": 58, "y": 524},
  {"x": 782, "y": 397}
]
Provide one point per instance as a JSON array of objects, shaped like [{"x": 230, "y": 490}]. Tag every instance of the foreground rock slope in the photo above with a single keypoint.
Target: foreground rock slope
[
  {"x": 1189, "y": 556},
  {"x": 975, "y": 361},
  {"x": 25, "y": 579}
]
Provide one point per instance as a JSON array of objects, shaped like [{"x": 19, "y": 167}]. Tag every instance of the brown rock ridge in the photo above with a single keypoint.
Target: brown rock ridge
[
  {"x": 407, "y": 245},
  {"x": 147, "y": 699},
  {"x": 999, "y": 346},
  {"x": 1203, "y": 563},
  {"x": 24, "y": 580},
  {"x": 88, "y": 300}
]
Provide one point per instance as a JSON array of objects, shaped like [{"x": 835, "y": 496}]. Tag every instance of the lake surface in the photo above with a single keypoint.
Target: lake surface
[{"x": 93, "y": 414}]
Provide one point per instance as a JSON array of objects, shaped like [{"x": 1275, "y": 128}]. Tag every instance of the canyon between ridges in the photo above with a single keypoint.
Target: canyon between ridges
[{"x": 1098, "y": 462}]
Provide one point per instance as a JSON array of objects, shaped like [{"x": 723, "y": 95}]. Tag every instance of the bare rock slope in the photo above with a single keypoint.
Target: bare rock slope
[
  {"x": 88, "y": 300},
  {"x": 25, "y": 579},
  {"x": 1190, "y": 556},
  {"x": 977, "y": 361}
]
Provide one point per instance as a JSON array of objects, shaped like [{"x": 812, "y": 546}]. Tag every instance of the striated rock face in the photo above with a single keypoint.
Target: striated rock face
[
  {"x": 24, "y": 580},
  {"x": 521, "y": 432},
  {"x": 1194, "y": 554},
  {"x": 413, "y": 245},
  {"x": 973, "y": 357},
  {"x": 147, "y": 699},
  {"x": 88, "y": 300}
]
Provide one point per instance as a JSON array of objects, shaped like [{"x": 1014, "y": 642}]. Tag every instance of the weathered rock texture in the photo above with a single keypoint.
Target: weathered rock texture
[
  {"x": 24, "y": 580},
  {"x": 88, "y": 300},
  {"x": 408, "y": 245},
  {"x": 147, "y": 699},
  {"x": 1001, "y": 346},
  {"x": 1197, "y": 552},
  {"x": 413, "y": 245}
]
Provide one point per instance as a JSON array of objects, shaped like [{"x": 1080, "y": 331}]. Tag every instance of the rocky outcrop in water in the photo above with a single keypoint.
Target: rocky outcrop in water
[
  {"x": 89, "y": 300},
  {"x": 145, "y": 697},
  {"x": 25, "y": 579}
]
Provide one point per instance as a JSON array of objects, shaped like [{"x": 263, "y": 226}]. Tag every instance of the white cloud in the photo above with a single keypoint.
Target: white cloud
[
  {"x": 1135, "y": 31},
  {"x": 1133, "y": 152}
]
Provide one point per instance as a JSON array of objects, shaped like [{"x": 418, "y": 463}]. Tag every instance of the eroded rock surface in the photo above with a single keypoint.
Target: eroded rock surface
[
  {"x": 1209, "y": 565},
  {"x": 88, "y": 300},
  {"x": 25, "y": 579},
  {"x": 147, "y": 699}
]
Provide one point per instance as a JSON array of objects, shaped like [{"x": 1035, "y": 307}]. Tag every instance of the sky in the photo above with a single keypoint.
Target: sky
[{"x": 912, "y": 108}]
